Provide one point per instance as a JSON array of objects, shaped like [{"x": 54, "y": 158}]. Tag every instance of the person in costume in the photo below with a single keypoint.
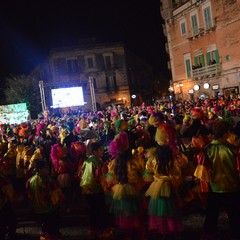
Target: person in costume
[
  {"x": 8, "y": 162},
  {"x": 49, "y": 140},
  {"x": 93, "y": 171},
  {"x": 167, "y": 164},
  {"x": 64, "y": 167},
  {"x": 107, "y": 135},
  {"x": 218, "y": 171},
  {"x": 46, "y": 198},
  {"x": 71, "y": 136},
  {"x": 38, "y": 153},
  {"x": 124, "y": 179},
  {"x": 7, "y": 216}
]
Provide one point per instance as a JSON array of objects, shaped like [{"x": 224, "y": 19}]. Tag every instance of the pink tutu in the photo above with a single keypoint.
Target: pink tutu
[
  {"x": 165, "y": 225},
  {"x": 130, "y": 222}
]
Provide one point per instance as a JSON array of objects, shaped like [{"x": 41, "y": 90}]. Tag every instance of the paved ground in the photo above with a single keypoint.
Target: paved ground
[{"x": 75, "y": 225}]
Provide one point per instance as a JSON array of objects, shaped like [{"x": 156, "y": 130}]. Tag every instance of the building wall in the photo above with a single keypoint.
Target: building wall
[
  {"x": 116, "y": 72},
  {"x": 222, "y": 37}
]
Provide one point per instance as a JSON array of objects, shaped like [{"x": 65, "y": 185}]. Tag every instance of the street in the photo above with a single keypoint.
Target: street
[{"x": 74, "y": 225}]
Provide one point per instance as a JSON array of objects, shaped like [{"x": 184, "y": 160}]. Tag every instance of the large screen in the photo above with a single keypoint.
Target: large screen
[
  {"x": 67, "y": 97},
  {"x": 14, "y": 113}
]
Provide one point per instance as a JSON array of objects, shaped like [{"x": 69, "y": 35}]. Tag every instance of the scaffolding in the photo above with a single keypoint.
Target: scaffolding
[{"x": 92, "y": 92}]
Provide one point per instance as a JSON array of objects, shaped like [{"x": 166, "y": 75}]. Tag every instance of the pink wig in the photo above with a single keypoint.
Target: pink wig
[
  {"x": 40, "y": 128},
  {"x": 119, "y": 144},
  {"x": 57, "y": 152},
  {"x": 78, "y": 150}
]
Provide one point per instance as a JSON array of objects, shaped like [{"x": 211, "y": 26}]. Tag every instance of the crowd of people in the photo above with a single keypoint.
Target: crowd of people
[{"x": 134, "y": 165}]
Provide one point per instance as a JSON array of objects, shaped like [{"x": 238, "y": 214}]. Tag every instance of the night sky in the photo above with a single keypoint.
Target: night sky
[{"x": 30, "y": 28}]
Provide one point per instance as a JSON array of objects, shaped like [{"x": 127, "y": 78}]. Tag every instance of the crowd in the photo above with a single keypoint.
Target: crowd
[{"x": 134, "y": 165}]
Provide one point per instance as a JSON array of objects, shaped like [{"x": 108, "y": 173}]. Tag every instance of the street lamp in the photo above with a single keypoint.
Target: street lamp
[
  {"x": 180, "y": 85},
  {"x": 171, "y": 90}
]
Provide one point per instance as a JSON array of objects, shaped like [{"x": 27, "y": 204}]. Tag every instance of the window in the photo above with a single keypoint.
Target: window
[
  {"x": 194, "y": 22},
  {"x": 111, "y": 83},
  {"x": 207, "y": 17},
  {"x": 183, "y": 27},
  {"x": 72, "y": 65},
  {"x": 90, "y": 62},
  {"x": 212, "y": 57},
  {"x": 188, "y": 69},
  {"x": 60, "y": 66},
  {"x": 108, "y": 62},
  {"x": 199, "y": 61}
]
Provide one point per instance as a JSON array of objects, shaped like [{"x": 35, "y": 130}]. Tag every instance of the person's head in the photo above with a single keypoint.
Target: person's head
[
  {"x": 41, "y": 166},
  {"x": 121, "y": 126},
  {"x": 221, "y": 129},
  {"x": 97, "y": 149}
]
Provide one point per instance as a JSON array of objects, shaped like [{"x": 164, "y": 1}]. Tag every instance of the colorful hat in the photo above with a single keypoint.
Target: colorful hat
[
  {"x": 119, "y": 144},
  {"x": 166, "y": 135},
  {"x": 156, "y": 119},
  {"x": 121, "y": 126},
  {"x": 197, "y": 113}
]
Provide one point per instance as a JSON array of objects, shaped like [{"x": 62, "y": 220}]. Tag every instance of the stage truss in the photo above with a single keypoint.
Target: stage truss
[{"x": 43, "y": 86}]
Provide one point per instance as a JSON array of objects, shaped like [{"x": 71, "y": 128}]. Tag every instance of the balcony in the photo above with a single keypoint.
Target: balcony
[
  {"x": 110, "y": 66},
  {"x": 205, "y": 72},
  {"x": 112, "y": 88}
]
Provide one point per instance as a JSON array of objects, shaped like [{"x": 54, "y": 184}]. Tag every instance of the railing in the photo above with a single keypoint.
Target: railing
[{"x": 208, "y": 71}]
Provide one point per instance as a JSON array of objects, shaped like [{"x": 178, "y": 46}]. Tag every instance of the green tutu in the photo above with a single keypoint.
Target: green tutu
[{"x": 162, "y": 207}]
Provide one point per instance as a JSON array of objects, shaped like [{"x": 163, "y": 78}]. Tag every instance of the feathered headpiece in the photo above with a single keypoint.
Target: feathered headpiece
[{"x": 119, "y": 144}]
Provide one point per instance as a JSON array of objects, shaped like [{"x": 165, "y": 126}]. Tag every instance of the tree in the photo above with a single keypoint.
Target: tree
[{"x": 23, "y": 89}]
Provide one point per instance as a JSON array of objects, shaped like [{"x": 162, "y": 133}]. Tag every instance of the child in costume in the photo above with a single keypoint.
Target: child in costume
[
  {"x": 218, "y": 171},
  {"x": 126, "y": 183},
  {"x": 166, "y": 163},
  {"x": 64, "y": 167},
  {"x": 46, "y": 197},
  {"x": 93, "y": 170}
]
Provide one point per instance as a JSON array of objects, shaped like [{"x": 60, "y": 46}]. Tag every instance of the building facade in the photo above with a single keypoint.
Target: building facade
[
  {"x": 203, "y": 40},
  {"x": 116, "y": 73}
]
